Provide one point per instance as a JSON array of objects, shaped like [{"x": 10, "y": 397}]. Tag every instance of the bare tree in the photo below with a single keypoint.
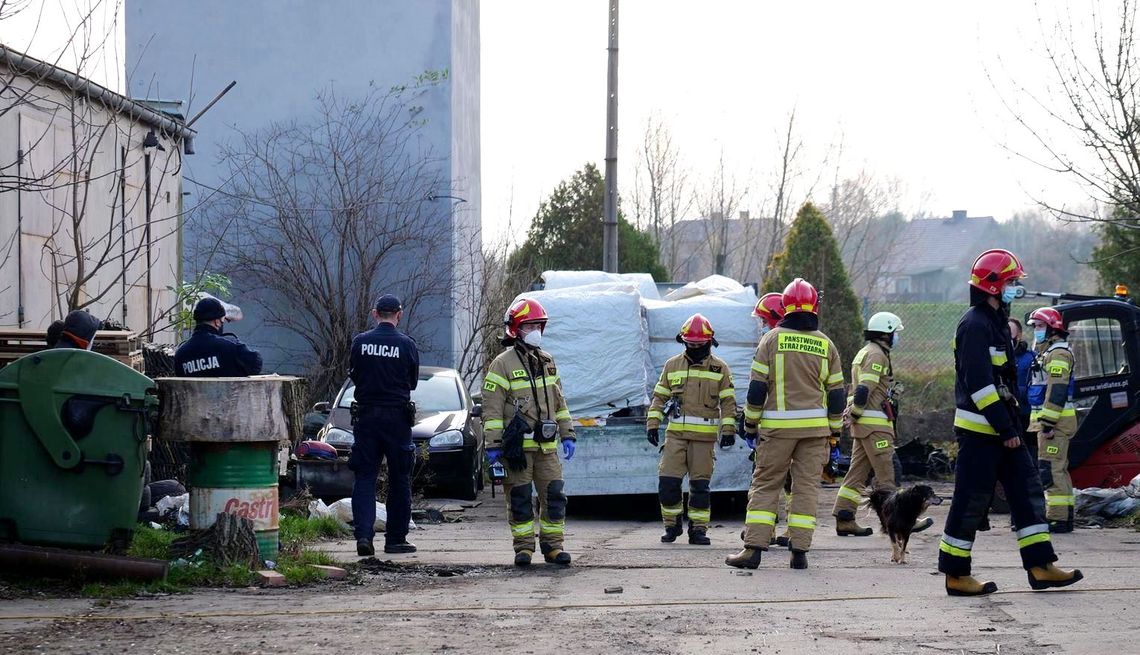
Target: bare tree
[
  {"x": 863, "y": 212},
  {"x": 663, "y": 195},
  {"x": 83, "y": 178},
  {"x": 1086, "y": 124},
  {"x": 720, "y": 200},
  {"x": 322, "y": 214}
]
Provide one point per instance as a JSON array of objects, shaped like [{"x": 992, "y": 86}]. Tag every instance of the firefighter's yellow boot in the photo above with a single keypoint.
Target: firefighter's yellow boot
[
  {"x": 748, "y": 558},
  {"x": 967, "y": 585},
  {"x": 1048, "y": 576}
]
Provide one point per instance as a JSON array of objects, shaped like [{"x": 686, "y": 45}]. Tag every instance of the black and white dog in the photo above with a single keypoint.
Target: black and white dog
[{"x": 898, "y": 511}]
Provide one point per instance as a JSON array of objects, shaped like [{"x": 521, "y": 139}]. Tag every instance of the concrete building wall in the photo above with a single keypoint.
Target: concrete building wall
[
  {"x": 45, "y": 248},
  {"x": 282, "y": 53}
]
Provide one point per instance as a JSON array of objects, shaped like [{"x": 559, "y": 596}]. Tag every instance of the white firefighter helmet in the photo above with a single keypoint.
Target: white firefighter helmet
[{"x": 884, "y": 322}]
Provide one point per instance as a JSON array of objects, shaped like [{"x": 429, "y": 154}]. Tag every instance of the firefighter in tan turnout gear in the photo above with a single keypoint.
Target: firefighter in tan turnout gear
[
  {"x": 872, "y": 410},
  {"x": 524, "y": 418},
  {"x": 696, "y": 398},
  {"x": 796, "y": 400},
  {"x": 1053, "y": 416}
]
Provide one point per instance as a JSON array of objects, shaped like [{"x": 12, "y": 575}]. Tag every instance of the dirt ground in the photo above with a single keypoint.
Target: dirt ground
[{"x": 460, "y": 595}]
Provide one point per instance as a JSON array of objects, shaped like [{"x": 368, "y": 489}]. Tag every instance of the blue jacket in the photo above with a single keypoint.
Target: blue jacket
[
  {"x": 385, "y": 366},
  {"x": 210, "y": 354},
  {"x": 984, "y": 370},
  {"x": 1023, "y": 358}
]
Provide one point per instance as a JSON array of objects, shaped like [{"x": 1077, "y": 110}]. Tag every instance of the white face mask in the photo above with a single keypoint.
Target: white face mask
[
  {"x": 533, "y": 338},
  {"x": 764, "y": 329},
  {"x": 894, "y": 339}
]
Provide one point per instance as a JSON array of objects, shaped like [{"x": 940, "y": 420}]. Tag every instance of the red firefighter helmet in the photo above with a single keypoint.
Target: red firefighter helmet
[
  {"x": 770, "y": 307},
  {"x": 696, "y": 330},
  {"x": 800, "y": 296},
  {"x": 523, "y": 311},
  {"x": 993, "y": 269},
  {"x": 1048, "y": 317}
]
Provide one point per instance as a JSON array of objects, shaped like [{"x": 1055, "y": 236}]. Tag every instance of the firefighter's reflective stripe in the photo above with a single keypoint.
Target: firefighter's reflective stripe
[
  {"x": 656, "y": 413},
  {"x": 493, "y": 380},
  {"x": 702, "y": 515},
  {"x": 873, "y": 417},
  {"x": 868, "y": 377},
  {"x": 780, "y": 404},
  {"x": 850, "y": 494},
  {"x": 752, "y": 414},
  {"x": 796, "y": 418},
  {"x": 552, "y": 527},
  {"x": 728, "y": 420},
  {"x": 546, "y": 447},
  {"x": 985, "y": 396},
  {"x": 525, "y": 529},
  {"x": 493, "y": 424},
  {"x": 998, "y": 356},
  {"x": 834, "y": 379},
  {"x": 562, "y": 415},
  {"x": 1059, "y": 501},
  {"x": 823, "y": 376},
  {"x": 836, "y": 424},
  {"x": 727, "y": 393},
  {"x": 760, "y": 368},
  {"x": 675, "y": 377},
  {"x": 954, "y": 546},
  {"x": 694, "y": 424},
  {"x": 973, "y": 422},
  {"x": 539, "y": 383},
  {"x": 760, "y": 516},
  {"x": 1033, "y": 534},
  {"x": 1051, "y": 414},
  {"x": 661, "y": 391},
  {"x": 671, "y": 510},
  {"x": 804, "y": 521}
]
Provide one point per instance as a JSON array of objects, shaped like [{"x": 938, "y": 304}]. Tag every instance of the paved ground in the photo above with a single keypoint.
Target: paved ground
[{"x": 459, "y": 595}]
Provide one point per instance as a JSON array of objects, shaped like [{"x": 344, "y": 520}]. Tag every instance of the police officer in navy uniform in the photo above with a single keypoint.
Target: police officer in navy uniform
[
  {"x": 211, "y": 353},
  {"x": 384, "y": 365}
]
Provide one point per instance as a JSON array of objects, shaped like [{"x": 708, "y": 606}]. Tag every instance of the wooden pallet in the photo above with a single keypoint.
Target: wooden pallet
[{"x": 125, "y": 347}]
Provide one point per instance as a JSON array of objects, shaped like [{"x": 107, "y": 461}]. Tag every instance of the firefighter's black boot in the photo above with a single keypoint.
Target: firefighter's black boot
[
  {"x": 749, "y": 558},
  {"x": 699, "y": 536},
  {"x": 555, "y": 555},
  {"x": 845, "y": 525},
  {"x": 364, "y": 548},
  {"x": 1061, "y": 527},
  {"x": 522, "y": 558},
  {"x": 799, "y": 559},
  {"x": 672, "y": 532}
]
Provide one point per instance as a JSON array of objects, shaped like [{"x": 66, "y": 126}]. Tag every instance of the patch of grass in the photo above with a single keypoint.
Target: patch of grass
[
  {"x": 297, "y": 530},
  {"x": 926, "y": 391},
  {"x": 149, "y": 542}
]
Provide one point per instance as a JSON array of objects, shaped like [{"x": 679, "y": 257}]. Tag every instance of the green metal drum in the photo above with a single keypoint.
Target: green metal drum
[{"x": 236, "y": 478}]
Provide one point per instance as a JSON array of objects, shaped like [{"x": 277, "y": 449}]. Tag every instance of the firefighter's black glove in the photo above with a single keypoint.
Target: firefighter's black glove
[
  {"x": 653, "y": 436},
  {"x": 727, "y": 439}
]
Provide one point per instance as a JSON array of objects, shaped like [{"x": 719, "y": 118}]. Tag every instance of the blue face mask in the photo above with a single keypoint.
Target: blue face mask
[
  {"x": 1008, "y": 294},
  {"x": 894, "y": 339},
  {"x": 1039, "y": 336}
]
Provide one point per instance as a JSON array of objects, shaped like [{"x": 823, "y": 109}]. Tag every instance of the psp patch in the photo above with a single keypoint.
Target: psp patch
[
  {"x": 518, "y": 373},
  {"x": 1052, "y": 450},
  {"x": 882, "y": 443}
]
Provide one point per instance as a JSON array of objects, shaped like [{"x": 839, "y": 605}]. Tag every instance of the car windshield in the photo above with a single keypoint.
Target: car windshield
[{"x": 433, "y": 393}]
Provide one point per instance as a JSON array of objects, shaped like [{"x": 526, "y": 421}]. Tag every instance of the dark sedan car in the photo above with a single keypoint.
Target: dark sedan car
[{"x": 448, "y": 435}]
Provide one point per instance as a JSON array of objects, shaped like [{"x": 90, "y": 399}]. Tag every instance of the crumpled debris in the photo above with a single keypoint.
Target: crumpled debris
[{"x": 1109, "y": 503}]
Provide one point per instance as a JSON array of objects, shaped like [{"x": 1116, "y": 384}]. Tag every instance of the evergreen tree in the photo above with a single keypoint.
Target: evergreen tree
[
  {"x": 1117, "y": 258},
  {"x": 567, "y": 233},
  {"x": 812, "y": 253}
]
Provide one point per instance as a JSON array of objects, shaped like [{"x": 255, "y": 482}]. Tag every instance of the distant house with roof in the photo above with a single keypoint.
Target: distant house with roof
[
  {"x": 695, "y": 248},
  {"x": 931, "y": 259}
]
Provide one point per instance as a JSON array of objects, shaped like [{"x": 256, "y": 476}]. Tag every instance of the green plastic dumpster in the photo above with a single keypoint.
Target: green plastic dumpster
[{"x": 73, "y": 431}]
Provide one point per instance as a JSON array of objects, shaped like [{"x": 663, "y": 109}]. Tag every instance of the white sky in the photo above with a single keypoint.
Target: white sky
[{"x": 903, "y": 84}]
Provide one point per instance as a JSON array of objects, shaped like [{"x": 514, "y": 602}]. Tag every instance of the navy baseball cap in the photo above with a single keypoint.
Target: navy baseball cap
[
  {"x": 388, "y": 303},
  {"x": 209, "y": 309}
]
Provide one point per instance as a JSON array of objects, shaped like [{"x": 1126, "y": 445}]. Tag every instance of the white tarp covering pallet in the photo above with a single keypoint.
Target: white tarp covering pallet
[
  {"x": 599, "y": 339},
  {"x": 731, "y": 318},
  {"x": 566, "y": 279}
]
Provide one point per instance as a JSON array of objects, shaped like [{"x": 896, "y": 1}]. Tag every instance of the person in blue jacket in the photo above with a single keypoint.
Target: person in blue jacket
[
  {"x": 210, "y": 353},
  {"x": 1023, "y": 360}
]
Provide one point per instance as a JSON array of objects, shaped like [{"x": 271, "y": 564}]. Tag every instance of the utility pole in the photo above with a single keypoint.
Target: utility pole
[{"x": 610, "y": 221}]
